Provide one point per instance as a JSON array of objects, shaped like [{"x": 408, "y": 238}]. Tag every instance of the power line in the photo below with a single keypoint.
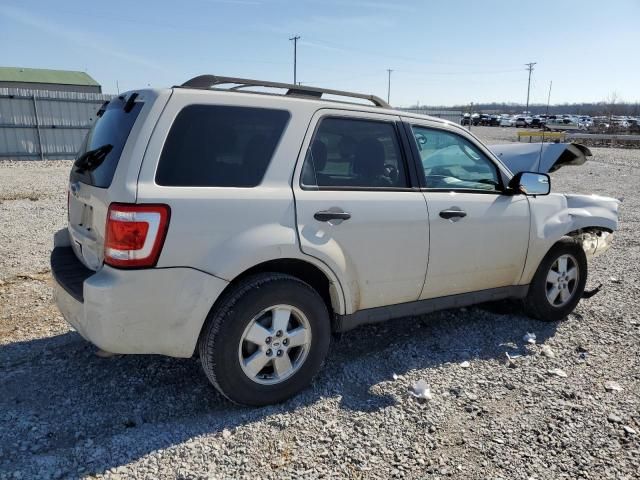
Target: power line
[
  {"x": 530, "y": 68},
  {"x": 389, "y": 85},
  {"x": 295, "y": 39}
]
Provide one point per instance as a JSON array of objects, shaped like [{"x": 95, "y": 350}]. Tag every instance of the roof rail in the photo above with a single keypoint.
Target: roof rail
[{"x": 210, "y": 81}]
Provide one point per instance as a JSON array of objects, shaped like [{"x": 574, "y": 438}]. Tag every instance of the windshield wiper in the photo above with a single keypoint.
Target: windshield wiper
[{"x": 92, "y": 159}]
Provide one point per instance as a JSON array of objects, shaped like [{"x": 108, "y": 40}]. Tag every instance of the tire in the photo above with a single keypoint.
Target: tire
[
  {"x": 247, "y": 313},
  {"x": 537, "y": 303}
]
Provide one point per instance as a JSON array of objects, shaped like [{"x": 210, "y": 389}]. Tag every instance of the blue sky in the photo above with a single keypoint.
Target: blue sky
[{"x": 441, "y": 52}]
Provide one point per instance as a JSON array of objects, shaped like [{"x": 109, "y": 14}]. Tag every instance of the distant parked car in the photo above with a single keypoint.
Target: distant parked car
[
  {"x": 506, "y": 121},
  {"x": 520, "y": 122},
  {"x": 484, "y": 120},
  {"x": 536, "y": 122},
  {"x": 494, "y": 120},
  {"x": 561, "y": 125},
  {"x": 585, "y": 123}
]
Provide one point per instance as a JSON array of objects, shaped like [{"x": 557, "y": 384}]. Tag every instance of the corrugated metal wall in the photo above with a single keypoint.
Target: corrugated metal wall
[
  {"x": 451, "y": 115},
  {"x": 43, "y": 124}
]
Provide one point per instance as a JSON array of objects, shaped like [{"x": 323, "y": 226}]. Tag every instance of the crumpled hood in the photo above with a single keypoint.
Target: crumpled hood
[{"x": 527, "y": 157}]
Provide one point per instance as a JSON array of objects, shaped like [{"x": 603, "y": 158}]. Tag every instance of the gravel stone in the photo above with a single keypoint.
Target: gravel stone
[
  {"x": 612, "y": 386},
  {"x": 614, "y": 418},
  {"x": 547, "y": 351},
  {"x": 557, "y": 372},
  {"x": 66, "y": 413}
]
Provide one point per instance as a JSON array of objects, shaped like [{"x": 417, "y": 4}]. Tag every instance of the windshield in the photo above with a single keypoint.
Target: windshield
[{"x": 100, "y": 152}]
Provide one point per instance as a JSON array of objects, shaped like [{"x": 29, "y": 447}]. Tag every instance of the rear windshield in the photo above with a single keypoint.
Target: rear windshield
[
  {"x": 220, "y": 146},
  {"x": 100, "y": 152}
]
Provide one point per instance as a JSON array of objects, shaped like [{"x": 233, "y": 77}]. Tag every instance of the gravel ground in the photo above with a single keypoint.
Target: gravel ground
[{"x": 66, "y": 413}]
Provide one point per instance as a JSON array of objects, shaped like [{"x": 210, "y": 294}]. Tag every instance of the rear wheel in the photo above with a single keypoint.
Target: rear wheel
[
  {"x": 266, "y": 340},
  {"x": 559, "y": 282}
]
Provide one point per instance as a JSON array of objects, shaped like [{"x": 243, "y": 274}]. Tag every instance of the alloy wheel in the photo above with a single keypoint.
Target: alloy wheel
[
  {"x": 562, "y": 280},
  {"x": 275, "y": 344}
]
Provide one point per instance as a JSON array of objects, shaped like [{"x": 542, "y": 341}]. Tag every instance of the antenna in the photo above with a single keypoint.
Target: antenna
[{"x": 547, "y": 114}]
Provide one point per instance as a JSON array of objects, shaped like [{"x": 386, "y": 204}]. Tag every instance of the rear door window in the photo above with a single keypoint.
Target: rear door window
[
  {"x": 101, "y": 149},
  {"x": 354, "y": 153},
  {"x": 220, "y": 146}
]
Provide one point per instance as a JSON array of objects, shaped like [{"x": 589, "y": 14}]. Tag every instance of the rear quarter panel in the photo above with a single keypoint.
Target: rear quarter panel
[{"x": 224, "y": 231}]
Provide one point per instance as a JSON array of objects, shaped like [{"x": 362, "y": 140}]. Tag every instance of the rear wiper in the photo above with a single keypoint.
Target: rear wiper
[
  {"x": 92, "y": 159},
  {"x": 102, "y": 109}
]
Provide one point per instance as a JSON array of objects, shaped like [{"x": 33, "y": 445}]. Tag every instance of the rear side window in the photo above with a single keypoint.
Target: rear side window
[
  {"x": 354, "y": 153},
  {"x": 220, "y": 146},
  {"x": 101, "y": 149}
]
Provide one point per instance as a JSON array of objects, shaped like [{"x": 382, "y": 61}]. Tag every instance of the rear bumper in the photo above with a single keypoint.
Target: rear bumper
[{"x": 151, "y": 311}]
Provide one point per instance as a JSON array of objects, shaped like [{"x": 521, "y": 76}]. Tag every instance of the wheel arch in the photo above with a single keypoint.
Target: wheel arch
[{"x": 322, "y": 280}]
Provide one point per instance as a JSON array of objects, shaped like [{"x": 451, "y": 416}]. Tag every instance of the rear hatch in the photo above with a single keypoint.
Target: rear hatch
[{"x": 96, "y": 181}]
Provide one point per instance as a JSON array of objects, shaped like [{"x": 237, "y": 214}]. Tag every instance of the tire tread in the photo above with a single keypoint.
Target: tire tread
[{"x": 224, "y": 309}]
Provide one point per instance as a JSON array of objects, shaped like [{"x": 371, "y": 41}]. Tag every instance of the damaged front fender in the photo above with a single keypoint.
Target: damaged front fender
[{"x": 590, "y": 219}]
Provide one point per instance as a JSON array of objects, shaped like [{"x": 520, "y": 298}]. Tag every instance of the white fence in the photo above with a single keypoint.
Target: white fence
[{"x": 43, "y": 124}]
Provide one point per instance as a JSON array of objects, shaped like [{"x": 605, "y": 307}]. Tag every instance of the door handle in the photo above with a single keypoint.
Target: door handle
[
  {"x": 328, "y": 215},
  {"x": 453, "y": 213}
]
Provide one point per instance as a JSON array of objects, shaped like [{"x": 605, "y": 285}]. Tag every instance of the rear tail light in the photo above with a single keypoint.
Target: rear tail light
[{"x": 135, "y": 234}]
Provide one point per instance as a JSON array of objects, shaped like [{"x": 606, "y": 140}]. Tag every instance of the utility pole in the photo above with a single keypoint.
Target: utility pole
[
  {"x": 389, "y": 84},
  {"x": 295, "y": 39},
  {"x": 530, "y": 68}
]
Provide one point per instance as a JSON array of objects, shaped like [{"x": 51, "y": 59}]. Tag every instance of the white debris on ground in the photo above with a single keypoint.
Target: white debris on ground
[
  {"x": 558, "y": 372},
  {"x": 421, "y": 390},
  {"x": 65, "y": 413},
  {"x": 529, "y": 338}
]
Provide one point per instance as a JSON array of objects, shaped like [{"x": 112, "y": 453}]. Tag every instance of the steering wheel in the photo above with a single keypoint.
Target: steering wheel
[{"x": 391, "y": 172}]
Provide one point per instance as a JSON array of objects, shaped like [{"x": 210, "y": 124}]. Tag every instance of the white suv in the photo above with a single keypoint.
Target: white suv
[{"x": 247, "y": 226}]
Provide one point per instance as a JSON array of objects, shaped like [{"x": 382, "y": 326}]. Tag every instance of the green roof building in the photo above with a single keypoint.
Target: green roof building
[{"x": 44, "y": 79}]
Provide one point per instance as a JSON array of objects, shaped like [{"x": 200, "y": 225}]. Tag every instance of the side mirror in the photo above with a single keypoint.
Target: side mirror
[{"x": 531, "y": 183}]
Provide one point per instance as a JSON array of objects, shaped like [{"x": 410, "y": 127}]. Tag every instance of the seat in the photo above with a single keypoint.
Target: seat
[{"x": 368, "y": 164}]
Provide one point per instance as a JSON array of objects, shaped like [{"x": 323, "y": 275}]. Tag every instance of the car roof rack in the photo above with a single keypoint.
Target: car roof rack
[{"x": 207, "y": 82}]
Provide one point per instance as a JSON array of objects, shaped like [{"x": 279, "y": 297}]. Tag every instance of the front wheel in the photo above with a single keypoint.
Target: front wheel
[
  {"x": 266, "y": 340},
  {"x": 559, "y": 282}
]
